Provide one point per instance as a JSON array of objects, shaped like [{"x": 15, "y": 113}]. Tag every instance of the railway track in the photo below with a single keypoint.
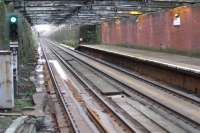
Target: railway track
[
  {"x": 124, "y": 124},
  {"x": 189, "y": 97},
  {"x": 194, "y": 125},
  {"x": 176, "y": 91},
  {"x": 60, "y": 96}
]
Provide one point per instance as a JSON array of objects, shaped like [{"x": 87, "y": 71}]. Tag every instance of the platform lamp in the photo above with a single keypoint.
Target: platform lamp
[{"x": 135, "y": 12}]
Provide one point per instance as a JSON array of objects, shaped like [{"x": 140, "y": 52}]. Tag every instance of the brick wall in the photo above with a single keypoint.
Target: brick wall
[{"x": 156, "y": 30}]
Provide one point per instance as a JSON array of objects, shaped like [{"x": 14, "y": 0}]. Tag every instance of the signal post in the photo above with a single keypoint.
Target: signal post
[{"x": 14, "y": 44}]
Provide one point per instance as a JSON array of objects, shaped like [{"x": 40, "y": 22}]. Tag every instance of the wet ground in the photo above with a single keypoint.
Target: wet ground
[{"x": 32, "y": 99}]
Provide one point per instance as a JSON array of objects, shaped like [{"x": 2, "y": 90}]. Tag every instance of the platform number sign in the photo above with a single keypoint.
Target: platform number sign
[{"x": 177, "y": 20}]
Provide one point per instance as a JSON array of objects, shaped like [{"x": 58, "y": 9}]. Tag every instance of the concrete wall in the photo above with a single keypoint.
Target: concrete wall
[
  {"x": 156, "y": 30},
  {"x": 6, "y": 81}
]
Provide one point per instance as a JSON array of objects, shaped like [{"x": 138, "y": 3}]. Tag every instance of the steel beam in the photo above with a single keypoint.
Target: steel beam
[{"x": 61, "y": 10}]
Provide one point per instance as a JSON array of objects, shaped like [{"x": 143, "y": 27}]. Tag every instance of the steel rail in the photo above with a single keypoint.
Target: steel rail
[
  {"x": 195, "y": 100},
  {"x": 196, "y": 124},
  {"x": 60, "y": 96},
  {"x": 97, "y": 95}
]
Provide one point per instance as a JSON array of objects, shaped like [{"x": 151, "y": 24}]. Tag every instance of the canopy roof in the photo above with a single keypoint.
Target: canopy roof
[{"x": 87, "y": 11}]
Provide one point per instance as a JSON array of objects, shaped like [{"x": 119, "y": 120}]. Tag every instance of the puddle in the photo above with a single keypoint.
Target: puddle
[
  {"x": 38, "y": 77},
  {"x": 118, "y": 96}
]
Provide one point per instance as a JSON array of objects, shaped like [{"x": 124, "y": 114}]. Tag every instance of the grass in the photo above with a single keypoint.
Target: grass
[
  {"x": 3, "y": 36},
  {"x": 5, "y": 122},
  {"x": 21, "y": 103},
  {"x": 71, "y": 43}
]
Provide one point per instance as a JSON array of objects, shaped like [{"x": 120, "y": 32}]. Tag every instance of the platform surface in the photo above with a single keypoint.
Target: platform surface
[{"x": 172, "y": 60}]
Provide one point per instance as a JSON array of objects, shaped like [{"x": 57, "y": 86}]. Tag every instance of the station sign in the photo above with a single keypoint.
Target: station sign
[{"x": 177, "y": 20}]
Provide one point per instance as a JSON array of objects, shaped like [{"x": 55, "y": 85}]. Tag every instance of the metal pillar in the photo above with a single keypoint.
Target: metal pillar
[{"x": 14, "y": 53}]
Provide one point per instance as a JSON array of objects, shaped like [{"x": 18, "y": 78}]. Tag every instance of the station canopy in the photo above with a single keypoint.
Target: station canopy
[{"x": 89, "y": 11}]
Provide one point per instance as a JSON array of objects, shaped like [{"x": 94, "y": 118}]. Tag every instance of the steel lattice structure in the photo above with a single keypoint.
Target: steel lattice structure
[{"x": 87, "y": 11}]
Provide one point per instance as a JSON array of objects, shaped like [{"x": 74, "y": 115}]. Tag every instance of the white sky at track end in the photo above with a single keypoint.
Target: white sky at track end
[{"x": 44, "y": 29}]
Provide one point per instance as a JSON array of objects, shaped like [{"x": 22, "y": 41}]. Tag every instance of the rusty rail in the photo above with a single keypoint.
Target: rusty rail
[
  {"x": 196, "y": 124},
  {"x": 126, "y": 122},
  {"x": 55, "y": 85}
]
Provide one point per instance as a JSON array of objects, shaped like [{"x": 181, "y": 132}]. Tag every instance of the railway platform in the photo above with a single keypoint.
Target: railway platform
[
  {"x": 173, "y": 69},
  {"x": 131, "y": 85},
  {"x": 171, "y": 60}
]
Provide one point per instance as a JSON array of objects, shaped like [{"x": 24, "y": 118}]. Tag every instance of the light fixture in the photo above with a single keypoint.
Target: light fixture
[
  {"x": 117, "y": 17},
  {"x": 103, "y": 18},
  {"x": 117, "y": 21},
  {"x": 135, "y": 12},
  {"x": 176, "y": 15}
]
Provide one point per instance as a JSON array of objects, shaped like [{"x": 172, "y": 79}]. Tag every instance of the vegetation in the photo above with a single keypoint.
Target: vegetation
[
  {"x": 71, "y": 36},
  {"x": 26, "y": 54},
  {"x": 27, "y": 61},
  {"x": 66, "y": 35},
  {"x": 21, "y": 103},
  {"x": 98, "y": 34},
  {"x": 90, "y": 34},
  {"x": 71, "y": 43},
  {"x": 27, "y": 43},
  {"x": 3, "y": 37}
]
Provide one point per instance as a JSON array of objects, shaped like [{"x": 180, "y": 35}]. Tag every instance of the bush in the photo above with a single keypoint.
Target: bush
[
  {"x": 3, "y": 37},
  {"x": 71, "y": 43}
]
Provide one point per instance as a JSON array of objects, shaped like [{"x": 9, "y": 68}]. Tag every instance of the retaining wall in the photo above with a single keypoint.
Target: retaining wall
[{"x": 156, "y": 30}]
